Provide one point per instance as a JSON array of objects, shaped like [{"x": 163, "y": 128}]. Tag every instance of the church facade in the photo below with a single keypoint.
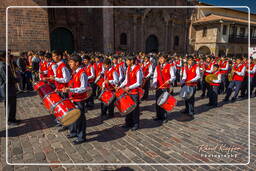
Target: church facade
[{"x": 97, "y": 29}]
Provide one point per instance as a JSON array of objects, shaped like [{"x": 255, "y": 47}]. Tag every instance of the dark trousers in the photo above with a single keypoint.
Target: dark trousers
[
  {"x": 205, "y": 86},
  {"x": 244, "y": 86},
  {"x": 213, "y": 95},
  {"x": 11, "y": 111},
  {"x": 224, "y": 83},
  {"x": 189, "y": 103},
  {"x": 90, "y": 100},
  {"x": 107, "y": 110},
  {"x": 160, "y": 112},
  {"x": 231, "y": 86},
  {"x": 177, "y": 74},
  {"x": 78, "y": 128},
  {"x": 146, "y": 89},
  {"x": 134, "y": 117}
]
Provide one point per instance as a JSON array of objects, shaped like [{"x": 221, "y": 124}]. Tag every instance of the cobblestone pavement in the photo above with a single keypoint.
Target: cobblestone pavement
[{"x": 37, "y": 140}]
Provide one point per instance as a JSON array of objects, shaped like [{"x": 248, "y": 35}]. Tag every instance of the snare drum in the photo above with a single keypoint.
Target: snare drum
[
  {"x": 38, "y": 84},
  {"x": 66, "y": 112},
  {"x": 43, "y": 88},
  {"x": 51, "y": 100},
  {"x": 166, "y": 101},
  {"x": 124, "y": 103},
  {"x": 107, "y": 97}
]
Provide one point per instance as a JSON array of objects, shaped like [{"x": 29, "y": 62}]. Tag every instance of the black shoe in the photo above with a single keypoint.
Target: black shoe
[
  {"x": 71, "y": 136},
  {"x": 126, "y": 126},
  {"x": 202, "y": 96},
  {"x": 164, "y": 120},
  {"x": 225, "y": 100},
  {"x": 184, "y": 111},
  {"x": 135, "y": 127},
  {"x": 63, "y": 129},
  {"x": 209, "y": 104},
  {"x": 12, "y": 124},
  {"x": 157, "y": 119},
  {"x": 233, "y": 99},
  {"x": 76, "y": 142}
]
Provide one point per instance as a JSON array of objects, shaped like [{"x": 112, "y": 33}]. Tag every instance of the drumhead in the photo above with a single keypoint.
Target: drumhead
[
  {"x": 162, "y": 98},
  {"x": 70, "y": 117}
]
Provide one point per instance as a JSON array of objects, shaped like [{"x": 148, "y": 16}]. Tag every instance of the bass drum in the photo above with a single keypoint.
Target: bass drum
[
  {"x": 107, "y": 97},
  {"x": 186, "y": 92}
]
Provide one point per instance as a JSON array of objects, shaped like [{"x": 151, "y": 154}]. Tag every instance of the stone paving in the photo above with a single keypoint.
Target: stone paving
[{"x": 36, "y": 139}]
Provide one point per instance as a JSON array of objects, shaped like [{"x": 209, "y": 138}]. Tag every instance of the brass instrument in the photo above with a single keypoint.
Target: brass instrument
[
  {"x": 230, "y": 75},
  {"x": 209, "y": 78}
]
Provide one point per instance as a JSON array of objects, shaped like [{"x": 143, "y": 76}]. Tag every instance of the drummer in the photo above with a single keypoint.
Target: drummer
[
  {"x": 214, "y": 87},
  {"x": 147, "y": 73},
  {"x": 51, "y": 68},
  {"x": 77, "y": 93},
  {"x": 131, "y": 84},
  {"x": 110, "y": 81},
  {"x": 163, "y": 76},
  {"x": 191, "y": 75}
]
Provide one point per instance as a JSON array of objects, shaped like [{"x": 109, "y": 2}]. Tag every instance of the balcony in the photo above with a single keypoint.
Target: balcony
[{"x": 241, "y": 39}]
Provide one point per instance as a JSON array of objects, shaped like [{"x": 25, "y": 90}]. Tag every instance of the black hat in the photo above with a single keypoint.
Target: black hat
[
  {"x": 76, "y": 58},
  {"x": 2, "y": 54},
  {"x": 130, "y": 57},
  {"x": 41, "y": 53},
  {"x": 86, "y": 57}
]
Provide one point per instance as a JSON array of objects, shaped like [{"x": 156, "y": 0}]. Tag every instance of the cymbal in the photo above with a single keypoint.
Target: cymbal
[{"x": 209, "y": 78}]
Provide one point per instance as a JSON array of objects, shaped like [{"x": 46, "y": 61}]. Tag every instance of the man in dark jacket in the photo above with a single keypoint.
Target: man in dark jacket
[{"x": 12, "y": 99}]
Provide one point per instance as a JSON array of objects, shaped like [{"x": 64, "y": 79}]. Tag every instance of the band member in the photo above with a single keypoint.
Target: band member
[
  {"x": 207, "y": 70},
  {"x": 98, "y": 66},
  {"x": 119, "y": 68},
  {"x": 51, "y": 68},
  {"x": 214, "y": 87},
  {"x": 131, "y": 84},
  {"x": 147, "y": 70},
  {"x": 238, "y": 72},
  {"x": 164, "y": 76},
  {"x": 42, "y": 66},
  {"x": 90, "y": 72},
  {"x": 224, "y": 66},
  {"x": 110, "y": 82},
  {"x": 62, "y": 75},
  {"x": 249, "y": 75},
  {"x": 178, "y": 67},
  {"x": 61, "y": 78},
  {"x": 191, "y": 74},
  {"x": 77, "y": 93}
]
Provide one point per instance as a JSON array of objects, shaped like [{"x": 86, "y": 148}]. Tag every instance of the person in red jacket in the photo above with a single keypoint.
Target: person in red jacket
[
  {"x": 191, "y": 75},
  {"x": 214, "y": 87},
  {"x": 249, "y": 75},
  {"x": 98, "y": 66},
  {"x": 77, "y": 93},
  {"x": 163, "y": 78},
  {"x": 109, "y": 84},
  {"x": 42, "y": 66},
  {"x": 238, "y": 71},
  {"x": 131, "y": 84},
  {"x": 147, "y": 70},
  {"x": 224, "y": 66},
  {"x": 90, "y": 72},
  {"x": 51, "y": 69}
]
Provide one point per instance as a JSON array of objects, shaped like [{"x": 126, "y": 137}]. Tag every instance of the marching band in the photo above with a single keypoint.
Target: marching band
[{"x": 124, "y": 81}]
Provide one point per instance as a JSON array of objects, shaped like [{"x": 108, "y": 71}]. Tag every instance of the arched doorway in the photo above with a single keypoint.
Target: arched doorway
[
  {"x": 151, "y": 44},
  {"x": 62, "y": 39},
  {"x": 204, "y": 50}
]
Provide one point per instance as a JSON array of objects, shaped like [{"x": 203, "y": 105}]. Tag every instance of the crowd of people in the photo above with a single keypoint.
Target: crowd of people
[{"x": 72, "y": 74}]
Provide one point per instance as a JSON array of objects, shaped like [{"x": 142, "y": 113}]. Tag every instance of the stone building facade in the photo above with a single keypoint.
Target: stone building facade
[
  {"x": 221, "y": 31},
  {"x": 97, "y": 29}
]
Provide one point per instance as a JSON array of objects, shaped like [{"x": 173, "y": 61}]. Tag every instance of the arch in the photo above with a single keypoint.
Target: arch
[
  {"x": 62, "y": 39},
  {"x": 151, "y": 44},
  {"x": 204, "y": 50},
  {"x": 123, "y": 39}
]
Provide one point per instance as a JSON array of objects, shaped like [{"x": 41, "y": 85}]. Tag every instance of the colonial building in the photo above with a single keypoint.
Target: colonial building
[
  {"x": 96, "y": 29},
  {"x": 221, "y": 31}
]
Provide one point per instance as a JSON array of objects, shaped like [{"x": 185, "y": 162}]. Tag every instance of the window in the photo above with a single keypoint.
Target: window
[
  {"x": 224, "y": 31},
  {"x": 242, "y": 32},
  {"x": 176, "y": 41},
  {"x": 123, "y": 39},
  {"x": 204, "y": 31}
]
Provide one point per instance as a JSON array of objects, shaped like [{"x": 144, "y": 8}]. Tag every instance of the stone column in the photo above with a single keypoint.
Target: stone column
[
  {"x": 166, "y": 35},
  {"x": 142, "y": 42},
  {"x": 108, "y": 28},
  {"x": 134, "y": 47}
]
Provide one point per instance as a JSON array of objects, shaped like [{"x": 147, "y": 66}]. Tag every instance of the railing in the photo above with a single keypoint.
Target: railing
[{"x": 241, "y": 39}]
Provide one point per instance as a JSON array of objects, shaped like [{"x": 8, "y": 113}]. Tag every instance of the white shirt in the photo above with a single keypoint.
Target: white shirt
[
  {"x": 226, "y": 67},
  {"x": 138, "y": 81},
  {"x": 65, "y": 73},
  {"x": 218, "y": 79},
  {"x": 92, "y": 72},
  {"x": 253, "y": 70},
  {"x": 54, "y": 67},
  {"x": 150, "y": 69},
  {"x": 121, "y": 72},
  {"x": 115, "y": 78},
  {"x": 173, "y": 77},
  {"x": 197, "y": 77},
  {"x": 83, "y": 80},
  {"x": 210, "y": 70},
  {"x": 242, "y": 73}
]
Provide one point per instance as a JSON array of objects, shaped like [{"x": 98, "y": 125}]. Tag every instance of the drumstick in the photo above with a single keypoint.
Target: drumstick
[{"x": 162, "y": 85}]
